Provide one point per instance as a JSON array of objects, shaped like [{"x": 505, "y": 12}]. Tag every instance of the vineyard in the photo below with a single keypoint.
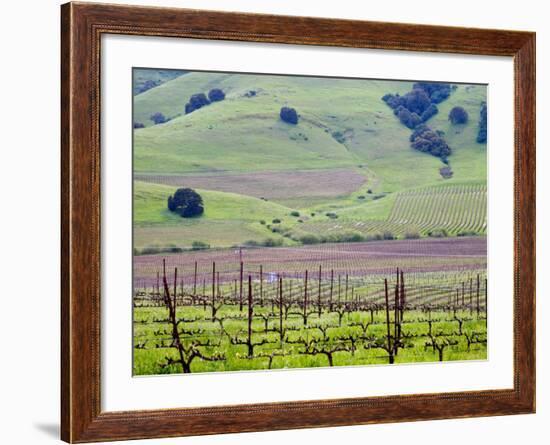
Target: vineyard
[
  {"x": 204, "y": 317},
  {"x": 456, "y": 209},
  {"x": 325, "y": 239}
]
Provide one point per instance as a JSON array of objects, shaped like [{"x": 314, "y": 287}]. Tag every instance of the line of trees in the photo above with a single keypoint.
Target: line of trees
[
  {"x": 199, "y": 100},
  {"x": 418, "y": 106}
]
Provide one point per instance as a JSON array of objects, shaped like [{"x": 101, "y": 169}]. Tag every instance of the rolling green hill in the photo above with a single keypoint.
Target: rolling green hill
[
  {"x": 343, "y": 124},
  {"x": 228, "y": 219},
  {"x": 150, "y": 206}
]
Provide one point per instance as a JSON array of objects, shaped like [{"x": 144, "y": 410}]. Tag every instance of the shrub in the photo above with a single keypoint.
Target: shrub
[
  {"x": 289, "y": 115},
  {"x": 361, "y": 197},
  {"x": 331, "y": 215},
  {"x": 199, "y": 245},
  {"x": 482, "y": 132},
  {"x": 186, "y": 202},
  {"x": 295, "y": 213},
  {"x": 251, "y": 243},
  {"x": 438, "y": 233},
  {"x": 309, "y": 239},
  {"x": 458, "y": 115},
  {"x": 262, "y": 222},
  {"x": 215, "y": 95},
  {"x": 467, "y": 233},
  {"x": 374, "y": 237},
  {"x": 270, "y": 242},
  {"x": 276, "y": 221},
  {"x": 158, "y": 118},
  {"x": 138, "y": 125},
  {"x": 387, "y": 235},
  {"x": 349, "y": 237},
  {"x": 339, "y": 136},
  {"x": 412, "y": 235},
  {"x": 446, "y": 172},
  {"x": 151, "y": 250},
  {"x": 369, "y": 191}
]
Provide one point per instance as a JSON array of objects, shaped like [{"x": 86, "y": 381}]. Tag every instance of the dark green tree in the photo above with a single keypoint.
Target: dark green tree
[
  {"x": 428, "y": 141},
  {"x": 458, "y": 115},
  {"x": 482, "y": 133},
  {"x": 186, "y": 202},
  {"x": 196, "y": 101},
  {"x": 289, "y": 115},
  {"x": 410, "y": 120},
  {"x": 216, "y": 95},
  {"x": 429, "y": 112},
  {"x": 417, "y": 101}
]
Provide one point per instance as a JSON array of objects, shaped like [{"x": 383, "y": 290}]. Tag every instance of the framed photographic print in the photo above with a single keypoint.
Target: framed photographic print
[{"x": 279, "y": 222}]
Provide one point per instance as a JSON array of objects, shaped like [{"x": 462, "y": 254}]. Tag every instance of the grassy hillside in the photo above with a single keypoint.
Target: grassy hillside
[
  {"x": 346, "y": 133},
  {"x": 343, "y": 123},
  {"x": 150, "y": 206},
  {"x": 228, "y": 219}
]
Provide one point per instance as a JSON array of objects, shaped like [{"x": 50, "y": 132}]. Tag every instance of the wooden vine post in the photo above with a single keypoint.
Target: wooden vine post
[
  {"x": 250, "y": 317},
  {"x": 241, "y": 288},
  {"x": 281, "y": 310},
  {"x": 388, "y": 334},
  {"x": 305, "y": 299}
]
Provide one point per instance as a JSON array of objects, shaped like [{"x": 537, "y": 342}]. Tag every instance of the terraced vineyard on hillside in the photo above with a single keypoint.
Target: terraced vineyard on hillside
[
  {"x": 455, "y": 208},
  {"x": 439, "y": 210}
]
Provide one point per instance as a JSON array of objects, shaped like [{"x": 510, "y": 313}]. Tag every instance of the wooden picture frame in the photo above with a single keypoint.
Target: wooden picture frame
[{"x": 82, "y": 26}]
